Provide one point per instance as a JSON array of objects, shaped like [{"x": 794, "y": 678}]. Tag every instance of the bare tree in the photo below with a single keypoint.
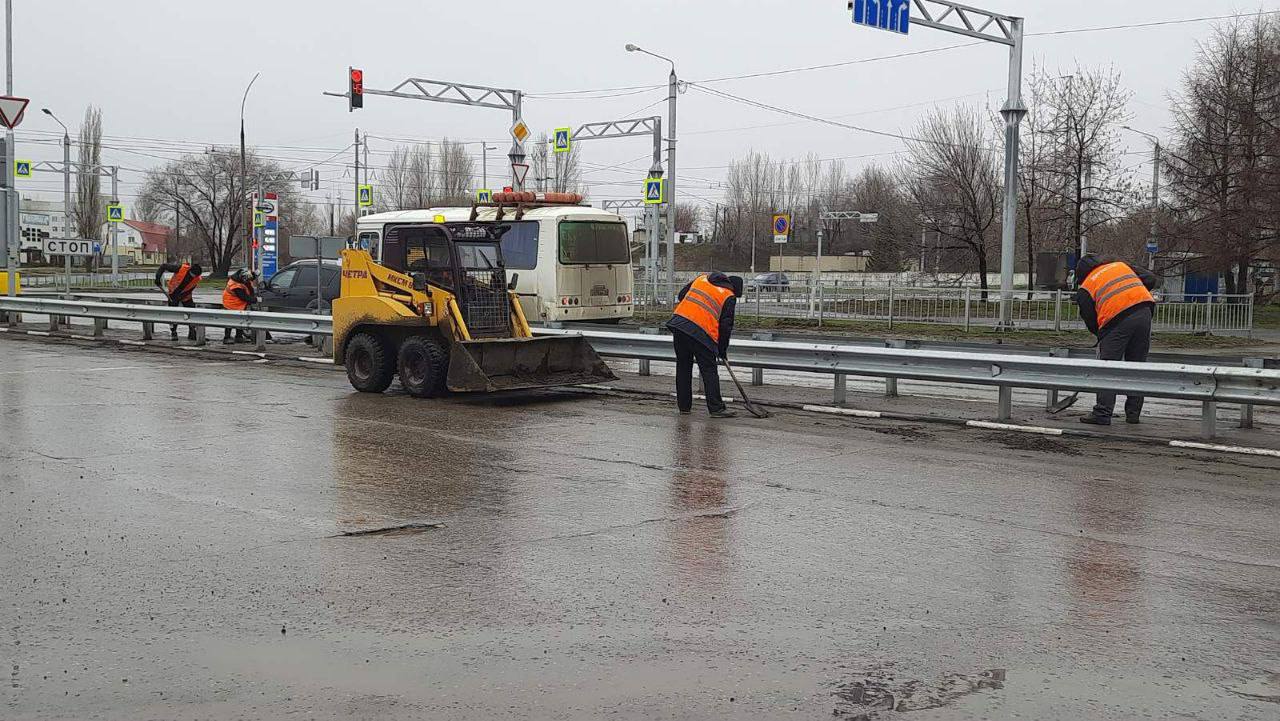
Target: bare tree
[
  {"x": 397, "y": 180},
  {"x": 1224, "y": 172},
  {"x": 206, "y": 190},
  {"x": 952, "y": 178},
  {"x": 454, "y": 171},
  {"x": 422, "y": 189},
  {"x": 90, "y": 208},
  {"x": 877, "y": 190},
  {"x": 688, "y": 217}
]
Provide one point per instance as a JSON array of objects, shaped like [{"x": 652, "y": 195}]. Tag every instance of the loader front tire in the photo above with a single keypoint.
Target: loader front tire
[
  {"x": 370, "y": 364},
  {"x": 422, "y": 365}
]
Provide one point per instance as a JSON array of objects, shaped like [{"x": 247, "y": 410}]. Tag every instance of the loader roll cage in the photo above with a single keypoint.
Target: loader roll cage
[{"x": 463, "y": 258}]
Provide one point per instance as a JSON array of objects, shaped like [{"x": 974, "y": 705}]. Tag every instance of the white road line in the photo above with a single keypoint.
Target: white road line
[
  {"x": 1038, "y": 430},
  {"x": 1226, "y": 449},
  {"x": 84, "y": 337},
  {"x": 313, "y": 359},
  {"x": 133, "y": 342},
  {"x": 248, "y": 352},
  {"x": 855, "y": 412},
  {"x": 37, "y": 332}
]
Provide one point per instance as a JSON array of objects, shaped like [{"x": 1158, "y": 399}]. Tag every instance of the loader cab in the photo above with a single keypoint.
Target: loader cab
[{"x": 462, "y": 258}]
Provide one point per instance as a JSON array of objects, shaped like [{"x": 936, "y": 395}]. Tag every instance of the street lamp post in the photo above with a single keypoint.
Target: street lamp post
[
  {"x": 66, "y": 185},
  {"x": 1155, "y": 191},
  {"x": 484, "y": 163},
  {"x": 248, "y": 246},
  {"x": 672, "y": 86}
]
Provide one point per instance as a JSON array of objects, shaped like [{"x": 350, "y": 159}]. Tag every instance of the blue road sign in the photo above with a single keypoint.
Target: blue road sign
[
  {"x": 655, "y": 191},
  {"x": 1152, "y": 247},
  {"x": 562, "y": 139},
  {"x": 97, "y": 248},
  {"x": 891, "y": 15}
]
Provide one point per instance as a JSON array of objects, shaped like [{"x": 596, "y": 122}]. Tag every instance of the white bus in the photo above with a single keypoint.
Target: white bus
[{"x": 573, "y": 262}]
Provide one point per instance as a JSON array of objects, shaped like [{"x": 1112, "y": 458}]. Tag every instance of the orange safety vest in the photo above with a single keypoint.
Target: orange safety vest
[
  {"x": 230, "y": 300},
  {"x": 702, "y": 305},
  {"x": 182, "y": 283},
  {"x": 1115, "y": 288}
]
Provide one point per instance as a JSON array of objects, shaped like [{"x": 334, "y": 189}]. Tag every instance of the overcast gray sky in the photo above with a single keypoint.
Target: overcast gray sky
[{"x": 169, "y": 75}]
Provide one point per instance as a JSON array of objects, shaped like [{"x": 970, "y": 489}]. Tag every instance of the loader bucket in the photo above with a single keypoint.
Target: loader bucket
[{"x": 504, "y": 364}]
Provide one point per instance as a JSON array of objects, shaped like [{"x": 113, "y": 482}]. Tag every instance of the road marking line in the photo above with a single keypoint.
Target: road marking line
[
  {"x": 1226, "y": 449},
  {"x": 313, "y": 359},
  {"x": 595, "y": 387},
  {"x": 84, "y": 337},
  {"x": 1039, "y": 430},
  {"x": 190, "y": 347},
  {"x": 857, "y": 413},
  {"x": 37, "y": 332},
  {"x": 249, "y": 352},
  {"x": 262, "y": 360},
  {"x": 133, "y": 342}
]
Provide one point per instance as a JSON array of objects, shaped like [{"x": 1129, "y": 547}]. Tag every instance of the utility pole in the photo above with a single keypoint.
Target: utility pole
[
  {"x": 356, "y": 182},
  {"x": 115, "y": 227},
  {"x": 1155, "y": 193},
  {"x": 1086, "y": 204},
  {"x": 12, "y": 239},
  {"x": 244, "y": 186}
]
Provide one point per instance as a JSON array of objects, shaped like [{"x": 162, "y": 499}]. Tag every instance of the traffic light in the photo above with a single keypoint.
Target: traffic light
[{"x": 357, "y": 89}]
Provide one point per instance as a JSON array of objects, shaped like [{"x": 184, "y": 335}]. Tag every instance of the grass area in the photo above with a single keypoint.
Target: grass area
[
  {"x": 921, "y": 331},
  {"x": 1267, "y": 316}
]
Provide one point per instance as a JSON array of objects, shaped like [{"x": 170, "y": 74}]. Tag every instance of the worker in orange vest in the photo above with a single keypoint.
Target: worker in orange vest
[
  {"x": 239, "y": 295},
  {"x": 700, "y": 328},
  {"x": 1117, "y": 306},
  {"x": 179, "y": 289}
]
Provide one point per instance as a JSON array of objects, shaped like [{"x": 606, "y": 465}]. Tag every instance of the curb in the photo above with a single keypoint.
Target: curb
[{"x": 601, "y": 389}]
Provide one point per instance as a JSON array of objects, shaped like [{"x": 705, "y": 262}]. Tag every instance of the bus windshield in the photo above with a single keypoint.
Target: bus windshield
[{"x": 595, "y": 242}]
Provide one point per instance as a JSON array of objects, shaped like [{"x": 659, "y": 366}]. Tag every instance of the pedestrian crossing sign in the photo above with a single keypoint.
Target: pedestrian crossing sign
[
  {"x": 115, "y": 213},
  {"x": 22, "y": 168},
  {"x": 484, "y": 195},
  {"x": 562, "y": 140},
  {"x": 366, "y": 196},
  {"x": 259, "y": 219},
  {"x": 655, "y": 191}
]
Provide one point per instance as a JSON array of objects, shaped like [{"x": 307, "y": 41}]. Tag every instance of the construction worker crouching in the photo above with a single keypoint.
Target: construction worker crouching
[
  {"x": 239, "y": 295},
  {"x": 1117, "y": 306},
  {"x": 181, "y": 285},
  {"x": 700, "y": 329}
]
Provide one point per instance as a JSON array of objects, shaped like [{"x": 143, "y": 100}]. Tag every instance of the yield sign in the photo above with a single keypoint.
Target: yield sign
[
  {"x": 11, "y": 110},
  {"x": 520, "y": 171}
]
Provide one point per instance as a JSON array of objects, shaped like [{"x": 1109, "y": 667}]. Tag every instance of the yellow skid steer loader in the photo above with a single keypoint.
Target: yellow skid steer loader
[{"x": 439, "y": 313}]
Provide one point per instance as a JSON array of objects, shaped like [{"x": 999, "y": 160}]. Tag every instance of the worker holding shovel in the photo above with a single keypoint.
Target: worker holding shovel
[{"x": 700, "y": 328}]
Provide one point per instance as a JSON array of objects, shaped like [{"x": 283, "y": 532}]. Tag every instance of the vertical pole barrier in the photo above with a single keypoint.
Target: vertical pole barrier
[
  {"x": 644, "y": 362},
  {"x": 1246, "y": 410},
  {"x": 200, "y": 334},
  {"x": 891, "y": 384},
  {"x": 967, "y": 302},
  {"x": 891, "y": 305},
  {"x": 1051, "y": 395},
  {"x": 841, "y": 392},
  {"x": 1005, "y": 410},
  {"x": 757, "y": 374},
  {"x": 1209, "y": 420},
  {"x": 148, "y": 330},
  {"x": 1057, "y": 311},
  {"x": 259, "y": 340}
]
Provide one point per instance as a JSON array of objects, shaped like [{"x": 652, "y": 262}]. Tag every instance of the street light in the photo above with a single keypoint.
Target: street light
[
  {"x": 66, "y": 186},
  {"x": 484, "y": 162},
  {"x": 1155, "y": 192},
  {"x": 248, "y": 246},
  {"x": 672, "y": 84}
]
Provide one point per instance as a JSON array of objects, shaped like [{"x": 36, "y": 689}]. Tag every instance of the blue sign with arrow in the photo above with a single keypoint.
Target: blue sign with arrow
[{"x": 891, "y": 15}]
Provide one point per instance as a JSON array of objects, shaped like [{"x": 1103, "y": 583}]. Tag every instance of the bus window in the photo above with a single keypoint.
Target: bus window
[
  {"x": 520, "y": 245},
  {"x": 594, "y": 242}
]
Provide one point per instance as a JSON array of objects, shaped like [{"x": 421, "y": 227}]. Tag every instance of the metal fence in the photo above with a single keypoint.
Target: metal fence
[
  {"x": 88, "y": 280},
  {"x": 1206, "y": 384},
  {"x": 964, "y": 307}
]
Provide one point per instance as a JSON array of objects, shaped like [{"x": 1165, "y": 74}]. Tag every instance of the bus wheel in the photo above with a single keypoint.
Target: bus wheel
[
  {"x": 370, "y": 367},
  {"x": 423, "y": 365}
]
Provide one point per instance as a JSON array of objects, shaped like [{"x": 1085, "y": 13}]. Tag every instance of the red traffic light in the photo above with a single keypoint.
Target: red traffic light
[{"x": 357, "y": 89}]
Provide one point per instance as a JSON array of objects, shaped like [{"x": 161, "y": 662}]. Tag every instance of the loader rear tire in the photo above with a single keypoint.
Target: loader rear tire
[
  {"x": 423, "y": 366},
  {"x": 370, "y": 364}
]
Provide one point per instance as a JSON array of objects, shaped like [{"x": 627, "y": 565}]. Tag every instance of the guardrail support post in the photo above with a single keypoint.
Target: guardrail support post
[
  {"x": 259, "y": 340},
  {"x": 841, "y": 392},
  {"x": 1005, "y": 410},
  {"x": 99, "y": 325},
  {"x": 54, "y": 322},
  {"x": 757, "y": 374},
  {"x": 890, "y": 383},
  {"x": 644, "y": 362},
  {"x": 200, "y": 335},
  {"x": 1246, "y": 410},
  {"x": 1209, "y": 420},
  {"x": 1051, "y": 395},
  {"x": 148, "y": 330}
]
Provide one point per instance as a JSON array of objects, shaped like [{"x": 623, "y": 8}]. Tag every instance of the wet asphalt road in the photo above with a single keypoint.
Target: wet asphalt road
[{"x": 169, "y": 538}]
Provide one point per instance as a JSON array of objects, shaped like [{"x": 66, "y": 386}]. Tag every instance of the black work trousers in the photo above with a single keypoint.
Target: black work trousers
[
  {"x": 690, "y": 351},
  {"x": 185, "y": 303},
  {"x": 1127, "y": 339}
]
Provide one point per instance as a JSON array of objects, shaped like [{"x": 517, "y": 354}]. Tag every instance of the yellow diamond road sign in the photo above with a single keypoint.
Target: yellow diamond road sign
[
  {"x": 519, "y": 131},
  {"x": 115, "y": 213}
]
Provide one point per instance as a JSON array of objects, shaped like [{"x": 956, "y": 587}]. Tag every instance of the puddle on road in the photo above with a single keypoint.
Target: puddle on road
[
  {"x": 403, "y": 529},
  {"x": 883, "y": 689},
  {"x": 1031, "y": 442}
]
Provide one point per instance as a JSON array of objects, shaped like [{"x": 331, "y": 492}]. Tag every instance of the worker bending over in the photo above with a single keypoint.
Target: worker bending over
[
  {"x": 700, "y": 328},
  {"x": 239, "y": 295},
  {"x": 181, "y": 285},
  {"x": 1116, "y": 304}
]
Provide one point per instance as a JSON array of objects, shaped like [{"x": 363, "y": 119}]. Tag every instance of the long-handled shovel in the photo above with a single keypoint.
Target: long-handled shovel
[
  {"x": 752, "y": 408},
  {"x": 1065, "y": 403}
]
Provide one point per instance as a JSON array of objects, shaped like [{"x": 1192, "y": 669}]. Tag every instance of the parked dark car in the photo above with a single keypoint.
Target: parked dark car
[
  {"x": 770, "y": 282},
  {"x": 293, "y": 287}
]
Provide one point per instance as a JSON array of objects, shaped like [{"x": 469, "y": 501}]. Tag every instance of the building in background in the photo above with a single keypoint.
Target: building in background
[
  {"x": 144, "y": 243},
  {"x": 40, "y": 219}
]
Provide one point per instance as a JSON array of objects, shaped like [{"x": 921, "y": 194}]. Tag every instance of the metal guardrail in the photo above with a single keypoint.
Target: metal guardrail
[{"x": 1208, "y": 385}]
